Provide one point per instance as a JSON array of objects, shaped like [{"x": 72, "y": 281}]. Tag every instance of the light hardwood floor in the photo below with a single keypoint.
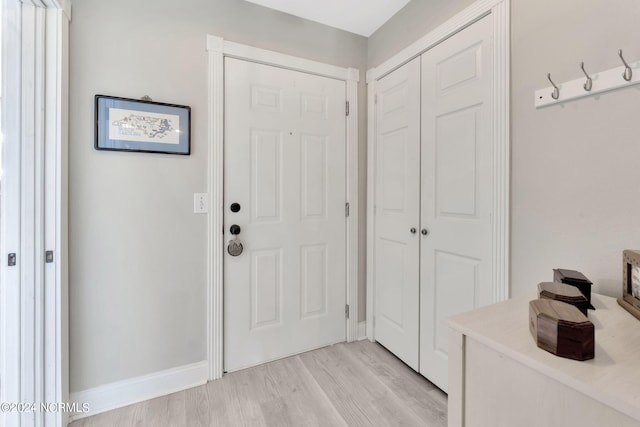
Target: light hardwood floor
[{"x": 355, "y": 384}]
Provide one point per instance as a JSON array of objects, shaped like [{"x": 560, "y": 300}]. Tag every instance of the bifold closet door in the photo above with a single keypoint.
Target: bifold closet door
[
  {"x": 396, "y": 312},
  {"x": 456, "y": 190}
]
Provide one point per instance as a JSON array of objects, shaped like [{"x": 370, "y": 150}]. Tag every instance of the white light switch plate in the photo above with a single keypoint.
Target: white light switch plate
[{"x": 200, "y": 202}]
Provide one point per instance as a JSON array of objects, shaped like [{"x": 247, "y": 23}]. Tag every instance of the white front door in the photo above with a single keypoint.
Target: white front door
[
  {"x": 284, "y": 184},
  {"x": 397, "y": 243},
  {"x": 456, "y": 194}
]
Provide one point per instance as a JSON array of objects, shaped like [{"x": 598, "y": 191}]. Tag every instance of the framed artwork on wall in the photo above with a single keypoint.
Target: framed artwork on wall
[{"x": 124, "y": 124}]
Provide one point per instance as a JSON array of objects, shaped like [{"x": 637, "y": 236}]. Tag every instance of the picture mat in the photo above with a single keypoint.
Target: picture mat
[{"x": 146, "y": 127}]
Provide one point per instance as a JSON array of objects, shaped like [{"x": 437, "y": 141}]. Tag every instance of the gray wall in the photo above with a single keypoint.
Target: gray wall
[
  {"x": 411, "y": 22},
  {"x": 575, "y": 174},
  {"x": 137, "y": 252}
]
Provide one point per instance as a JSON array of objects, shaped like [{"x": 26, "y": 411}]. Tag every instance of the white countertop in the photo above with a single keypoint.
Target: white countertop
[{"x": 612, "y": 377}]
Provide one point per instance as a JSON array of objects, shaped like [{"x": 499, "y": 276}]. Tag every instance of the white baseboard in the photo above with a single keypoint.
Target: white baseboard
[
  {"x": 362, "y": 330},
  {"x": 122, "y": 393}
]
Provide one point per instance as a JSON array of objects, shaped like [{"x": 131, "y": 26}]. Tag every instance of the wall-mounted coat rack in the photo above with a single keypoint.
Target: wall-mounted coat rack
[{"x": 590, "y": 84}]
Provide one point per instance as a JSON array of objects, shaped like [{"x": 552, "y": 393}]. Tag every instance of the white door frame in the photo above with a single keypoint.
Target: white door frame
[
  {"x": 33, "y": 303},
  {"x": 218, "y": 49},
  {"x": 501, "y": 146}
]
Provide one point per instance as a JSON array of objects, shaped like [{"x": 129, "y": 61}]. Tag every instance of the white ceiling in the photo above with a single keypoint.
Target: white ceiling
[{"x": 362, "y": 17}]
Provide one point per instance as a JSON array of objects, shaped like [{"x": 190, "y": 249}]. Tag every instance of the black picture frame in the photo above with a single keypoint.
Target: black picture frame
[{"x": 123, "y": 124}]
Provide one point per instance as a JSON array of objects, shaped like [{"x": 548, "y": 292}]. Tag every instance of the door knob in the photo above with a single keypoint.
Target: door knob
[
  {"x": 424, "y": 231},
  {"x": 235, "y": 207},
  {"x": 235, "y": 247},
  {"x": 413, "y": 230}
]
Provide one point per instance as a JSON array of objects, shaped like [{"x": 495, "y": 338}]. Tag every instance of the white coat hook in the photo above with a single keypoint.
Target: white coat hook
[
  {"x": 556, "y": 89},
  {"x": 589, "y": 83},
  {"x": 628, "y": 73}
]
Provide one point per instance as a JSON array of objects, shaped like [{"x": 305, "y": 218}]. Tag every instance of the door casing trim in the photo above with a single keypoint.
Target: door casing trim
[
  {"x": 218, "y": 49},
  {"x": 499, "y": 9}
]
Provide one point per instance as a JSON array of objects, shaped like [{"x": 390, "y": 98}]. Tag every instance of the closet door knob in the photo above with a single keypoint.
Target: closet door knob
[
  {"x": 413, "y": 230},
  {"x": 424, "y": 231}
]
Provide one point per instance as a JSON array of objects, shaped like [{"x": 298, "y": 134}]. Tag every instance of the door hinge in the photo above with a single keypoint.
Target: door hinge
[
  {"x": 346, "y": 310},
  {"x": 375, "y": 98},
  {"x": 12, "y": 260},
  {"x": 346, "y": 209},
  {"x": 347, "y": 107},
  {"x": 48, "y": 257}
]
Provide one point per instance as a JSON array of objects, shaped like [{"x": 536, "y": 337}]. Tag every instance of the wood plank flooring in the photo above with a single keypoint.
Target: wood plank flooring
[{"x": 355, "y": 384}]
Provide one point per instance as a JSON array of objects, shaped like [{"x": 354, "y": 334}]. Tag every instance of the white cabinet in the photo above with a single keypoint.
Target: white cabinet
[
  {"x": 498, "y": 376},
  {"x": 433, "y": 247}
]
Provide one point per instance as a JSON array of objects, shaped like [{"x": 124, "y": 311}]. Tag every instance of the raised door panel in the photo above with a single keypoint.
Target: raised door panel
[
  {"x": 394, "y": 182},
  {"x": 266, "y": 174},
  {"x": 314, "y": 281},
  {"x": 391, "y": 299},
  {"x": 266, "y": 288},
  {"x": 266, "y": 99},
  {"x": 456, "y": 183},
  {"x": 314, "y": 177},
  {"x": 457, "y": 278}
]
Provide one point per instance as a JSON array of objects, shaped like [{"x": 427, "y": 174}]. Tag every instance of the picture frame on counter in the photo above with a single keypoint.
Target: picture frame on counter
[{"x": 630, "y": 300}]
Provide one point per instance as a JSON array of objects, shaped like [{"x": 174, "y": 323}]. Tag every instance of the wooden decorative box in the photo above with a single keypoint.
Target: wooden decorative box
[
  {"x": 561, "y": 329},
  {"x": 574, "y": 278},
  {"x": 565, "y": 293}
]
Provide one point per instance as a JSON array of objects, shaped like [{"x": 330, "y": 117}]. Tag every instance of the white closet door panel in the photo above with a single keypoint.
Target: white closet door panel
[
  {"x": 396, "y": 311},
  {"x": 456, "y": 254}
]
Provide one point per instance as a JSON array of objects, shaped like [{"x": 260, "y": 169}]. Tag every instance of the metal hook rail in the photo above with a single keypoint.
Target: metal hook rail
[{"x": 604, "y": 81}]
